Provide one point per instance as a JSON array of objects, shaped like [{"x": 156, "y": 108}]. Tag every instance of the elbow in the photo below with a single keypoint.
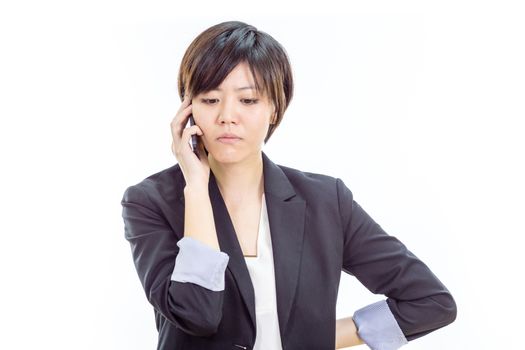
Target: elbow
[
  {"x": 197, "y": 327},
  {"x": 453, "y": 309},
  {"x": 199, "y": 323},
  {"x": 208, "y": 328},
  {"x": 434, "y": 312},
  {"x": 192, "y": 308},
  {"x": 446, "y": 308}
]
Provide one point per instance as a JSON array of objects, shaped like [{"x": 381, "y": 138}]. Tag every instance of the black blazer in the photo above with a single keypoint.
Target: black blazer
[{"x": 317, "y": 231}]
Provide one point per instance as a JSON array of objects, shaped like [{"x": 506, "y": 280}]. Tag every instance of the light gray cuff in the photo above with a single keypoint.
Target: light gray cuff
[
  {"x": 200, "y": 264},
  {"x": 378, "y": 328}
]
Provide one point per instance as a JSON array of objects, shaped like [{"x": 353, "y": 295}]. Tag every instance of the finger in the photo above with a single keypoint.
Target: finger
[
  {"x": 186, "y": 97},
  {"x": 181, "y": 114},
  {"x": 188, "y": 132},
  {"x": 186, "y": 135},
  {"x": 186, "y": 101},
  {"x": 179, "y": 122},
  {"x": 202, "y": 152}
]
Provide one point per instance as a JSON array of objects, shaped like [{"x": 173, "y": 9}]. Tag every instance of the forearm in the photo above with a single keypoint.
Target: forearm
[
  {"x": 198, "y": 217},
  {"x": 346, "y": 333},
  {"x": 152, "y": 242}
]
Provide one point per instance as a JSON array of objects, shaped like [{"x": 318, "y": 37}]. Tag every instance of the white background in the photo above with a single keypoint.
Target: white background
[{"x": 417, "y": 106}]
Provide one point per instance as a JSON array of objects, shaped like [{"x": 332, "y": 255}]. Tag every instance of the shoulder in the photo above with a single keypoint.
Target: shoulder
[
  {"x": 306, "y": 178},
  {"x": 166, "y": 184},
  {"x": 314, "y": 185}
]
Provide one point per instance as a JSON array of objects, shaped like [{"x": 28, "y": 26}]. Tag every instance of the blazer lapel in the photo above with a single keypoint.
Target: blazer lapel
[{"x": 286, "y": 216}]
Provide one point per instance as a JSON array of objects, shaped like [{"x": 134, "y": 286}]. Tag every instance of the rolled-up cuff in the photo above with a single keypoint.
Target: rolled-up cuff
[
  {"x": 200, "y": 264},
  {"x": 378, "y": 328}
]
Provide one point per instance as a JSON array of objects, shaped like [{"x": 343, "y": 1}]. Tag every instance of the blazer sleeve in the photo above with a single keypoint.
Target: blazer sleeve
[
  {"x": 192, "y": 307},
  {"x": 417, "y": 299}
]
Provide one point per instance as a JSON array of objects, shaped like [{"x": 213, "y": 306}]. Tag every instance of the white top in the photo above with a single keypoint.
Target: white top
[{"x": 262, "y": 274}]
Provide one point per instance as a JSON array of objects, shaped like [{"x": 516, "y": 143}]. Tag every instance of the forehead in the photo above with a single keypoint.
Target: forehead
[
  {"x": 239, "y": 79},
  {"x": 241, "y": 88}
]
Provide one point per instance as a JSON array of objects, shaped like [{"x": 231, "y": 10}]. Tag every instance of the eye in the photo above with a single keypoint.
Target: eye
[{"x": 248, "y": 101}]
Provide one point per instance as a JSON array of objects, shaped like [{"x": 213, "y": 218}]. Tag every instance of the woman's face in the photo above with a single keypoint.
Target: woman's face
[{"x": 233, "y": 108}]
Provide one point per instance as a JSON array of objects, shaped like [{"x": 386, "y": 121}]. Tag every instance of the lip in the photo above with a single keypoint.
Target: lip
[
  {"x": 228, "y": 140},
  {"x": 228, "y": 135}
]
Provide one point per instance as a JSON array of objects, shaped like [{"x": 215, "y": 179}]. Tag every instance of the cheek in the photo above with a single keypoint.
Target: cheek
[
  {"x": 259, "y": 127},
  {"x": 197, "y": 111},
  {"x": 261, "y": 121},
  {"x": 199, "y": 116}
]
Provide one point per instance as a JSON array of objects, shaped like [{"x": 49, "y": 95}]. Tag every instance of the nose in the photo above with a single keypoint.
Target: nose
[{"x": 227, "y": 112}]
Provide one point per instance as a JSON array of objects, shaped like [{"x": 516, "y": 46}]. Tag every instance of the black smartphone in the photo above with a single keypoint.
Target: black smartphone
[{"x": 194, "y": 140}]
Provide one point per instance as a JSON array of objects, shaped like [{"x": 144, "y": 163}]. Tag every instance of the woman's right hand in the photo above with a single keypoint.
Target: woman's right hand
[{"x": 196, "y": 171}]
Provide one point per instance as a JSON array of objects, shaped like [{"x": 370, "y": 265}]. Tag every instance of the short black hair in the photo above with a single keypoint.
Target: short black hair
[{"x": 215, "y": 52}]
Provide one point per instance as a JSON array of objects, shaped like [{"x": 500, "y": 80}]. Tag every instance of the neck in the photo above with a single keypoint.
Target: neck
[{"x": 239, "y": 181}]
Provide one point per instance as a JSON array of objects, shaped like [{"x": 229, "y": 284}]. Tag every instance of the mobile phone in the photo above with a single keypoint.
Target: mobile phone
[
  {"x": 194, "y": 138},
  {"x": 194, "y": 141}
]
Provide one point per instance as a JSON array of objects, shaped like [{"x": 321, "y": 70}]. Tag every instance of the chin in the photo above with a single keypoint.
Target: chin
[{"x": 229, "y": 155}]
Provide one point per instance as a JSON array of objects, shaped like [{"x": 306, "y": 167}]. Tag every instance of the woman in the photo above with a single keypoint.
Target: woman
[{"x": 237, "y": 252}]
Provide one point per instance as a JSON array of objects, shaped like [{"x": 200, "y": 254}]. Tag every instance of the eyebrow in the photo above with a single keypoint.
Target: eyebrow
[{"x": 238, "y": 89}]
